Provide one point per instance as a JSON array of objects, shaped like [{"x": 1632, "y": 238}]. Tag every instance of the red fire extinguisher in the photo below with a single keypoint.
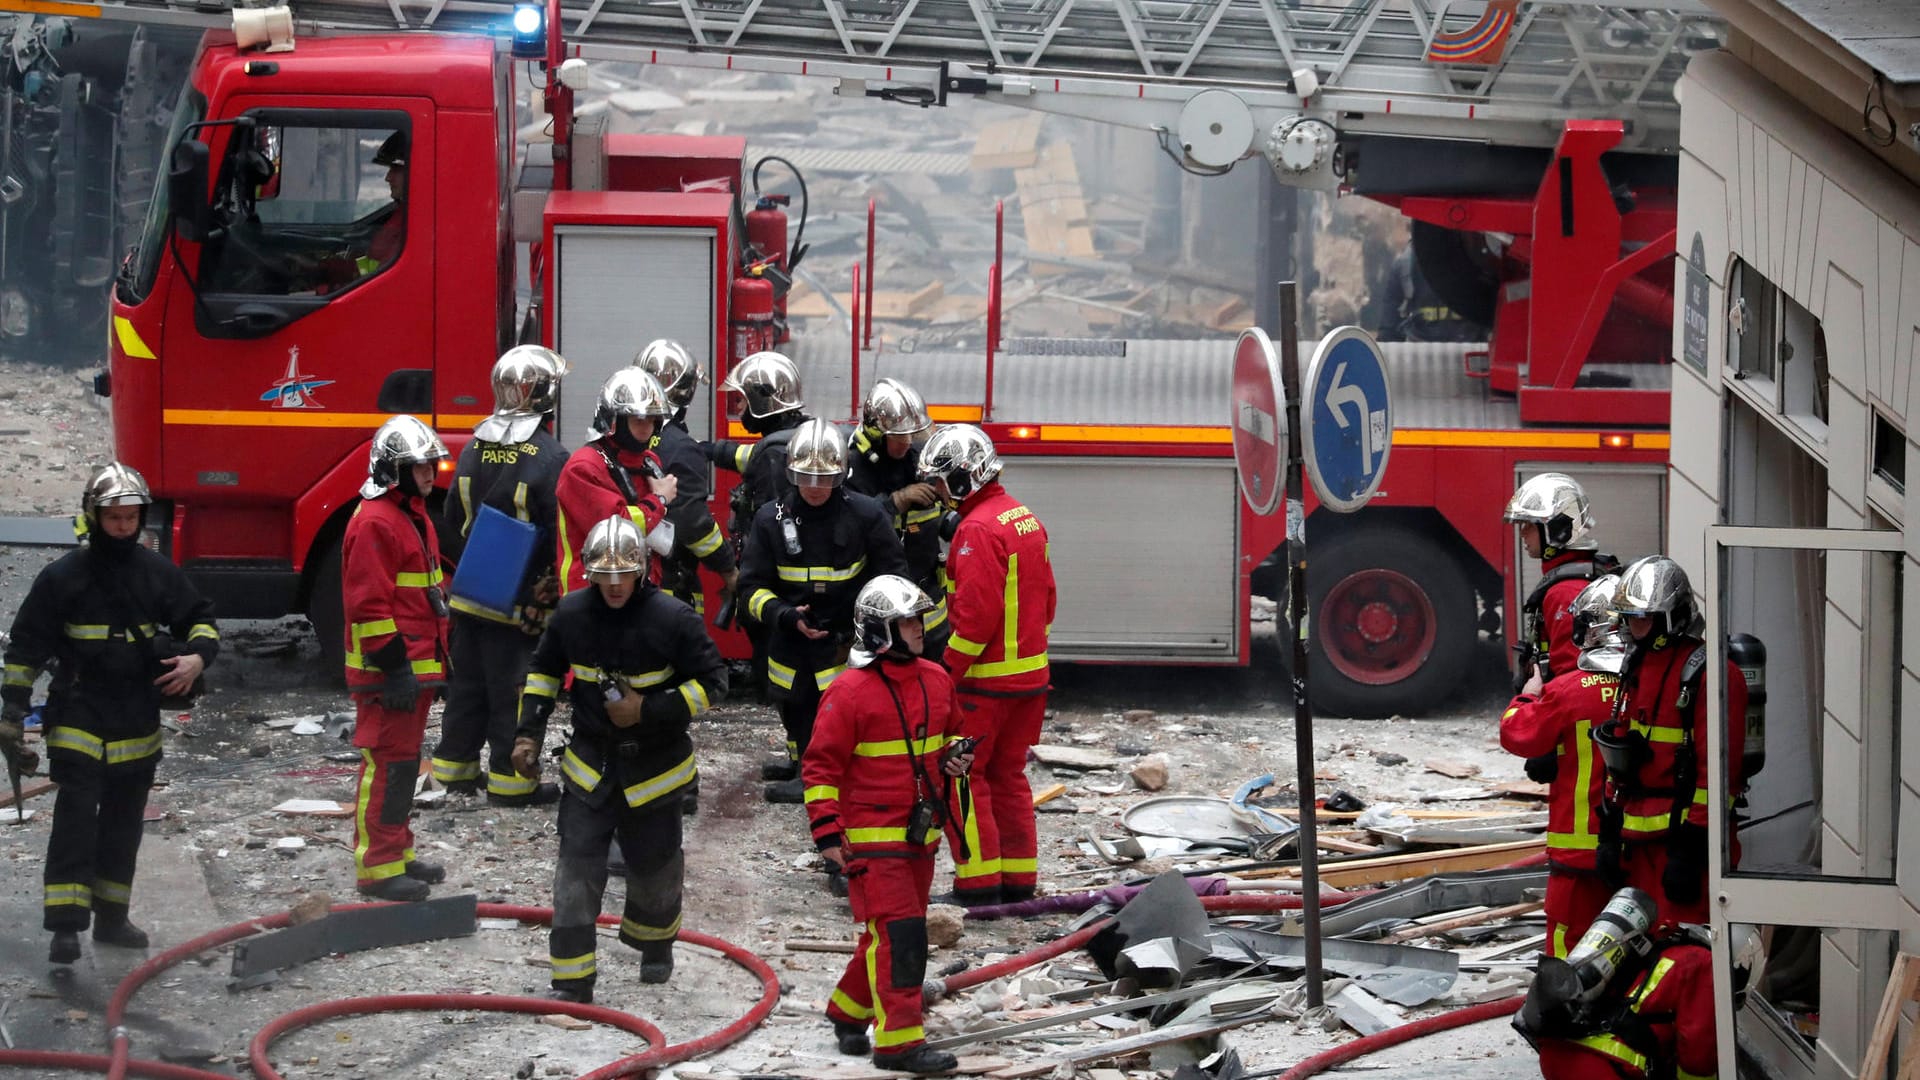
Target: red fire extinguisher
[
  {"x": 767, "y": 238},
  {"x": 752, "y": 313}
]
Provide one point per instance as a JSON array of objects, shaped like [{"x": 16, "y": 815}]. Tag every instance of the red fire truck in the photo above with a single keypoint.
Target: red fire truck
[{"x": 337, "y": 236}]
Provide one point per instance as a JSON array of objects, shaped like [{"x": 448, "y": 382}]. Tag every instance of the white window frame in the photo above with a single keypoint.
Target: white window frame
[{"x": 1839, "y": 903}]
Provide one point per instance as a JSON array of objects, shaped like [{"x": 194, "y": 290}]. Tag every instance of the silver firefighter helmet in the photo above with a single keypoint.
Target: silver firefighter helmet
[
  {"x": 1592, "y": 611},
  {"x": 768, "y": 381},
  {"x": 1656, "y": 587},
  {"x": 894, "y": 408},
  {"x": 673, "y": 367},
  {"x": 113, "y": 484},
  {"x": 817, "y": 451},
  {"x": 882, "y": 602},
  {"x": 526, "y": 387},
  {"x": 628, "y": 392},
  {"x": 963, "y": 456},
  {"x": 400, "y": 443},
  {"x": 614, "y": 547},
  {"x": 1558, "y": 504}
]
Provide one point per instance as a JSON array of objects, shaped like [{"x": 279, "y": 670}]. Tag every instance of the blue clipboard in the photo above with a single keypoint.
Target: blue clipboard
[{"x": 493, "y": 564}]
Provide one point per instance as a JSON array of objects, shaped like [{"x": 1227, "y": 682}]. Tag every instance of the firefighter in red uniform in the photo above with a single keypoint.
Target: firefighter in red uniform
[
  {"x": 396, "y": 617},
  {"x": 1559, "y": 719},
  {"x": 123, "y": 630},
  {"x": 617, "y": 473},
  {"x": 1556, "y": 526},
  {"x": 880, "y": 779},
  {"x": 1000, "y": 611},
  {"x": 1634, "y": 999},
  {"x": 1653, "y": 821}
]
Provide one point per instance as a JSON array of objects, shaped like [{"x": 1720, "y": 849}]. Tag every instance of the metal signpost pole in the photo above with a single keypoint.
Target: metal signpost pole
[{"x": 1297, "y": 597}]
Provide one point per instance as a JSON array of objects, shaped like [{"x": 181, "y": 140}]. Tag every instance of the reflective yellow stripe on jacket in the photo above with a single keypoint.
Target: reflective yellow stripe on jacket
[
  {"x": 1014, "y": 663},
  {"x": 806, "y": 574}
]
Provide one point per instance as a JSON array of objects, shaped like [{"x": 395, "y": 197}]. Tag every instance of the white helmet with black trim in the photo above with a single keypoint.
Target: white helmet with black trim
[
  {"x": 817, "y": 451},
  {"x": 400, "y": 443},
  {"x": 882, "y": 602},
  {"x": 628, "y": 392},
  {"x": 1558, "y": 504},
  {"x": 614, "y": 548},
  {"x": 894, "y": 408},
  {"x": 526, "y": 387},
  {"x": 961, "y": 455},
  {"x": 674, "y": 368}
]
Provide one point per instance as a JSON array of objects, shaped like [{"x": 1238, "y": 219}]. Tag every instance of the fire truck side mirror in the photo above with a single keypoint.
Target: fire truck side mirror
[{"x": 187, "y": 190}]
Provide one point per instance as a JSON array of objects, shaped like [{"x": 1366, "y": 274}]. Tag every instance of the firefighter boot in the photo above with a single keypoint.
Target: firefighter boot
[
  {"x": 581, "y": 996},
  {"x": 1016, "y": 894},
  {"x": 787, "y": 791},
  {"x": 65, "y": 949},
  {"x": 541, "y": 795},
  {"x": 920, "y": 1059},
  {"x": 779, "y": 769},
  {"x": 430, "y": 872},
  {"x": 969, "y": 898},
  {"x": 656, "y": 961},
  {"x": 400, "y": 887},
  {"x": 119, "y": 932},
  {"x": 851, "y": 1038}
]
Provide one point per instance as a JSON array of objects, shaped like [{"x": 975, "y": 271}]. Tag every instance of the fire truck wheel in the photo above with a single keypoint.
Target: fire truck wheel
[
  {"x": 1394, "y": 624},
  {"x": 325, "y": 611}
]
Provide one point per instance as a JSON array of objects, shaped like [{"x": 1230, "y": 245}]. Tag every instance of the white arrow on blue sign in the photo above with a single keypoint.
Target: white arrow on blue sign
[{"x": 1349, "y": 428}]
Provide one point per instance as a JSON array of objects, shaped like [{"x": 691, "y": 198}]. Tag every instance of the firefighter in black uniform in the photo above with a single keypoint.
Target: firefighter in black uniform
[
  {"x": 1410, "y": 309},
  {"x": 807, "y": 556},
  {"x": 643, "y": 667},
  {"x": 124, "y": 630},
  {"x": 886, "y": 451},
  {"x": 764, "y": 396},
  {"x": 512, "y": 465},
  {"x": 698, "y": 539}
]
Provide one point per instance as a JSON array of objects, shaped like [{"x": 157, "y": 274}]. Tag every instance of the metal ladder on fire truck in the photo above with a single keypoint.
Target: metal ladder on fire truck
[{"x": 1225, "y": 78}]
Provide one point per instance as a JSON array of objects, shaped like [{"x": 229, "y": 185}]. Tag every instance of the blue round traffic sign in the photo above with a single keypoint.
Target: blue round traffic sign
[{"x": 1349, "y": 419}]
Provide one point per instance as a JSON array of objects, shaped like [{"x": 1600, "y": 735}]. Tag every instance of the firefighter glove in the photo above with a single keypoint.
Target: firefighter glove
[
  {"x": 526, "y": 758},
  {"x": 400, "y": 691},
  {"x": 1685, "y": 878},
  {"x": 624, "y": 711},
  {"x": 1543, "y": 768},
  {"x": 913, "y": 497}
]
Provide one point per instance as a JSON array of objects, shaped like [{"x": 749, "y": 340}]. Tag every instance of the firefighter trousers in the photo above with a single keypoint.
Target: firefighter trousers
[
  {"x": 881, "y": 985},
  {"x": 389, "y": 744},
  {"x": 1564, "y": 1060},
  {"x": 483, "y": 705},
  {"x": 1645, "y": 864},
  {"x": 98, "y": 819},
  {"x": 998, "y": 836},
  {"x": 649, "y": 840},
  {"x": 1574, "y": 900}
]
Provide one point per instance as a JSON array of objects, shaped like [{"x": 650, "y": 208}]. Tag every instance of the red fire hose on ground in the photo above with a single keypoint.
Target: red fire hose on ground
[
  {"x": 1407, "y": 1032},
  {"x": 120, "y": 1064}
]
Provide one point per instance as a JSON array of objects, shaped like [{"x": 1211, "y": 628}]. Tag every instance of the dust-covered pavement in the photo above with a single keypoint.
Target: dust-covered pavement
[{"x": 213, "y": 856}]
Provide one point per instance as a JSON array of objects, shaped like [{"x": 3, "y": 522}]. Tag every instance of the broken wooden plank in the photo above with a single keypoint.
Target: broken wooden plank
[
  {"x": 1119, "y": 1047},
  {"x": 1008, "y": 144},
  {"x": 1418, "y": 864},
  {"x": 818, "y": 945},
  {"x": 566, "y": 1023},
  {"x": 1458, "y": 770},
  {"x": 1053, "y": 209},
  {"x": 1345, "y": 847},
  {"x": 1477, "y": 918},
  {"x": 28, "y": 789},
  {"x": 1074, "y": 1016},
  {"x": 1049, "y": 793}
]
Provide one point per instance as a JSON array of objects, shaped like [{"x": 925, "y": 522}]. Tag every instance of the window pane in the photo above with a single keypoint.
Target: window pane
[{"x": 327, "y": 210}]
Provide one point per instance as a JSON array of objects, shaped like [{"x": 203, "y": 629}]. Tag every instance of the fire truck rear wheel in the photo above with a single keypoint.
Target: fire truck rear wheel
[
  {"x": 326, "y": 611},
  {"x": 1394, "y": 624}
]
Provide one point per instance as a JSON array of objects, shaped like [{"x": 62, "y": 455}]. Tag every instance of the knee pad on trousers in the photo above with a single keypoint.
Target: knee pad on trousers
[
  {"x": 398, "y": 800},
  {"x": 907, "y": 941},
  {"x": 578, "y": 885}
]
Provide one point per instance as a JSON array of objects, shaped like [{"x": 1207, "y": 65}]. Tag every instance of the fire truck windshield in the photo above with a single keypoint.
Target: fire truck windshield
[{"x": 143, "y": 262}]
